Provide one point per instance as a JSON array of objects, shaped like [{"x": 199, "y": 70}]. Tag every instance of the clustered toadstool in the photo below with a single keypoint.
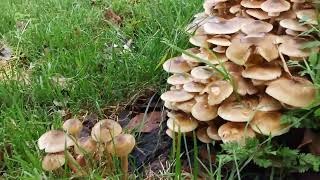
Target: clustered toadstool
[
  {"x": 237, "y": 72},
  {"x": 67, "y": 146}
]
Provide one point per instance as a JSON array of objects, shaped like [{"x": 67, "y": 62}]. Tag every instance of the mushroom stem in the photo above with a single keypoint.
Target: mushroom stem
[
  {"x": 124, "y": 166},
  {"x": 272, "y": 20},
  {"x": 73, "y": 164},
  {"x": 280, "y": 30}
]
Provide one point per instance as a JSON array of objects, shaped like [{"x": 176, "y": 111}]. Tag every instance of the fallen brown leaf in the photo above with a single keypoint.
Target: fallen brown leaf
[
  {"x": 311, "y": 139},
  {"x": 110, "y": 15},
  {"x": 146, "y": 124}
]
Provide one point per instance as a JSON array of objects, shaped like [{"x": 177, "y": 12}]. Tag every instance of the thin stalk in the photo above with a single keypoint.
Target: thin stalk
[{"x": 124, "y": 166}]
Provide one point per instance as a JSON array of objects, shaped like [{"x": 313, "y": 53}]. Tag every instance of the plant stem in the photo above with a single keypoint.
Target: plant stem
[{"x": 124, "y": 167}]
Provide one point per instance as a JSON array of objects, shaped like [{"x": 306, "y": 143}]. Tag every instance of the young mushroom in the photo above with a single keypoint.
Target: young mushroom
[
  {"x": 235, "y": 132},
  {"x": 72, "y": 127},
  {"x": 121, "y": 146},
  {"x": 53, "y": 161}
]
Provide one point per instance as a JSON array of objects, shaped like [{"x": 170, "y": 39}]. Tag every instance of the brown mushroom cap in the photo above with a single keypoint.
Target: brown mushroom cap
[
  {"x": 222, "y": 26},
  {"x": 176, "y": 65},
  {"x": 256, "y": 27},
  {"x": 212, "y": 57},
  {"x": 238, "y": 52},
  {"x": 243, "y": 86},
  {"x": 199, "y": 40},
  {"x": 121, "y": 145},
  {"x": 296, "y": 91},
  {"x": 293, "y": 25},
  {"x": 212, "y": 132},
  {"x": 218, "y": 91},
  {"x": 182, "y": 122},
  {"x": 53, "y": 161},
  {"x": 262, "y": 72},
  {"x": 171, "y": 133},
  {"x": 202, "y": 135},
  {"x": 268, "y": 103},
  {"x": 177, "y": 96},
  {"x": 72, "y": 126},
  {"x": 257, "y": 13},
  {"x": 267, "y": 48},
  {"x": 293, "y": 48},
  {"x": 185, "y": 106},
  {"x": 193, "y": 51},
  {"x": 238, "y": 111},
  {"x": 202, "y": 111},
  {"x": 251, "y": 4},
  {"x": 54, "y": 141},
  {"x": 219, "y": 41},
  {"x": 105, "y": 130},
  {"x": 193, "y": 87},
  {"x": 235, "y": 132},
  {"x": 170, "y": 105},
  {"x": 181, "y": 78},
  {"x": 275, "y": 6},
  {"x": 85, "y": 144},
  {"x": 308, "y": 15},
  {"x": 268, "y": 123},
  {"x": 202, "y": 72}
]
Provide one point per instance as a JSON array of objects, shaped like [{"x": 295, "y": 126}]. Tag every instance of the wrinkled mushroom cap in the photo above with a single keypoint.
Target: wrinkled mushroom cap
[
  {"x": 268, "y": 123},
  {"x": 235, "y": 132},
  {"x": 238, "y": 111},
  {"x": 202, "y": 135},
  {"x": 212, "y": 132},
  {"x": 121, "y": 145},
  {"x": 296, "y": 91},
  {"x": 262, "y": 72},
  {"x": 53, "y": 161},
  {"x": 202, "y": 111},
  {"x": 181, "y": 78},
  {"x": 177, "y": 96},
  {"x": 182, "y": 122},
  {"x": 268, "y": 103},
  {"x": 105, "y": 130},
  {"x": 72, "y": 126},
  {"x": 54, "y": 141},
  {"x": 85, "y": 144},
  {"x": 218, "y": 91},
  {"x": 176, "y": 65}
]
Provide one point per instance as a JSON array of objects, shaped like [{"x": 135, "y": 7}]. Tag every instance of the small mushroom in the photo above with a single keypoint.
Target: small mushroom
[
  {"x": 212, "y": 132},
  {"x": 176, "y": 65},
  {"x": 72, "y": 127},
  {"x": 293, "y": 24},
  {"x": 202, "y": 111},
  {"x": 293, "y": 48},
  {"x": 235, "y": 132},
  {"x": 218, "y": 91},
  {"x": 54, "y": 141},
  {"x": 202, "y": 72},
  {"x": 199, "y": 40},
  {"x": 251, "y": 4},
  {"x": 185, "y": 106},
  {"x": 181, "y": 78},
  {"x": 53, "y": 161},
  {"x": 308, "y": 15},
  {"x": 105, "y": 130},
  {"x": 275, "y": 7},
  {"x": 85, "y": 145},
  {"x": 268, "y": 103},
  {"x": 177, "y": 96},
  {"x": 238, "y": 52},
  {"x": 257, "y": 13},
  {"x": 121, "y": 146},
  {"x": 202, "y": 135},
  {"x": 268, "y": 123},
  {"x": 193, "y": 87},
  {"x": 256, "y": 27},
  {"x": 182, "y": 123},
  {"x": 263, "y": 72}
]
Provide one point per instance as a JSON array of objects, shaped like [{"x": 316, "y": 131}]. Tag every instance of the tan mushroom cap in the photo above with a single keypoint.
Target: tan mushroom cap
[
  {"x": 202, "y": 111},
  {"x": 275, "y": 6},
  {"x": 251, "y": 4},
  {"x": 202, "y": 72},
  {"x": 54, "y": 141},
  {"x": 122, "y": 145},
  {"x": 54, "y": 161},
  {"x": 262, "y": 72},
  {"x": 212, "y": 132},
  {"x": 218, "y": 91},
  {"x": 176, "y": 65},
  {"x": 293, "y": 48},
  {"x": 202, "y": 135},
  {"x": 185, "y": 106},
  {"x": 268, "y": 123},
  {"x": 230, "y": 67},
  {"x": 219, "y": 41},
  {"x": 199, "y": 40},
  {"x": 235, "y": 8},
  {"x": 193, "y": 87},
  {"x": 220, "y": 50},
  {"x": 222, "y": 26},
  {"x": 256, "y": 27},
  {"x": 171, "y": 133},
  {"x": 243, "y": 86},
  {"x": 192, "y": 51},
  {"x": 293, "y": 24},
  {"x": 201, "y": 98},
  {"x": 267, "y": 48},
  {"x": 238, "y": 111},
  {"x": 177, "y": 96},
  {"x": 72, "y": 126},
  {"x": 182, "y": 122},
  {"x": 238, "y": 52},
  {"x": 295, "y": 91},
  {"x": 256, "y": 82},
  {"x": 235, "y": 132},
  {"x": 308, "y": 15},
  {"x": 268, "y": 103},
  {"x": 212, "y": 57},
  {"x": 257, "y": 13},
  {"x": 181, "y": 78},
  {"x": 105, "y": 130},
  {"x": 170, "y": 105},
  {"x": 85, "y": 145}
]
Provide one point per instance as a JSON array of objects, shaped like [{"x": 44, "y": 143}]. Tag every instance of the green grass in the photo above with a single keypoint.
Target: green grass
[{"x": 72, "y": 39}]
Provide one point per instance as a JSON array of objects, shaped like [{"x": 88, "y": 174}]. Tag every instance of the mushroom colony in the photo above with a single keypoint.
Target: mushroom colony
[
  {"x": 235, "y": 82},
  {"x": 106, "y": 140}
]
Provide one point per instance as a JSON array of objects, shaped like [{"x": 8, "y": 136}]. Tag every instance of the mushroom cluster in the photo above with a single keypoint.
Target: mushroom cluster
[
  {"x": 235, "y": 83},
  {"x": 105, "y": 141}
]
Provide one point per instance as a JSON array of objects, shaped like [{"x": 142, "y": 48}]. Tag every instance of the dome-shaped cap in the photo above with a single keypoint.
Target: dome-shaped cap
[
  {"x": 121, "y": 145},
  {"x": 202, "y": 135},
  {"x": 212, "y": 132},
  {"x": 268, "y": 103},
  {"x": 54, "y": 141},
  {"x": 219, "y": 41},
  {"x": 185, "y": 106},
  {"x": 262, "y": 72},
  {"x": 275, "y": 6},
  {"x": 293, "y": 48},
  {"x": 182, "y": 122},
  {"x": 268, "y": 123},
  {"x": 202, "y": 72},
  {"x": 176, "y": 65},
  {"x": 222, "y": 26},
  {"x": 54, "y": 161},
  {"x": 202, "y": 111},
  {"x": 308, "y": 15},
  {"x": 238, "y": 111},
  {"x": 258, "y": 13},
  {"x": 256, "y": 27},
  {"x": 212, "y": 57},
  {"x": 105, "y": 130},
  {"x": 218, "y": 91},
  {"x": 235, "y": 132},
  {"x": 199, "y": 40},
  {"x": 177, "y": 96},
  {"x": 180, "y": 78},
  {"x": 72, "y": 126},
  {"x": 193, "y": 87},
  {"x": 293, "y": 24},
  {"x": 295, "y": 91},
  {"x": 170, "y": 105},
  {"x": 85, "y": 145}
]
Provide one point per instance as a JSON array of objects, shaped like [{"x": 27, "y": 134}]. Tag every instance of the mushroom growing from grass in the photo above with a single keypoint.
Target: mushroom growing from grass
[
  {"x": 53, "y": 161},
  {"x": 121, "y": 146},
  {"x": 72, "y": 127}
]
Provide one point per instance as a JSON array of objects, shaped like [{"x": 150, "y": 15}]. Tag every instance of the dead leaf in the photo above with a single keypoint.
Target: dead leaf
[
  {"x": 311, "y": 139},
  {"x": 146, "y": 124},
  {"x": 110, "y": 15},
  {"x": 88, "y": 123}
]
